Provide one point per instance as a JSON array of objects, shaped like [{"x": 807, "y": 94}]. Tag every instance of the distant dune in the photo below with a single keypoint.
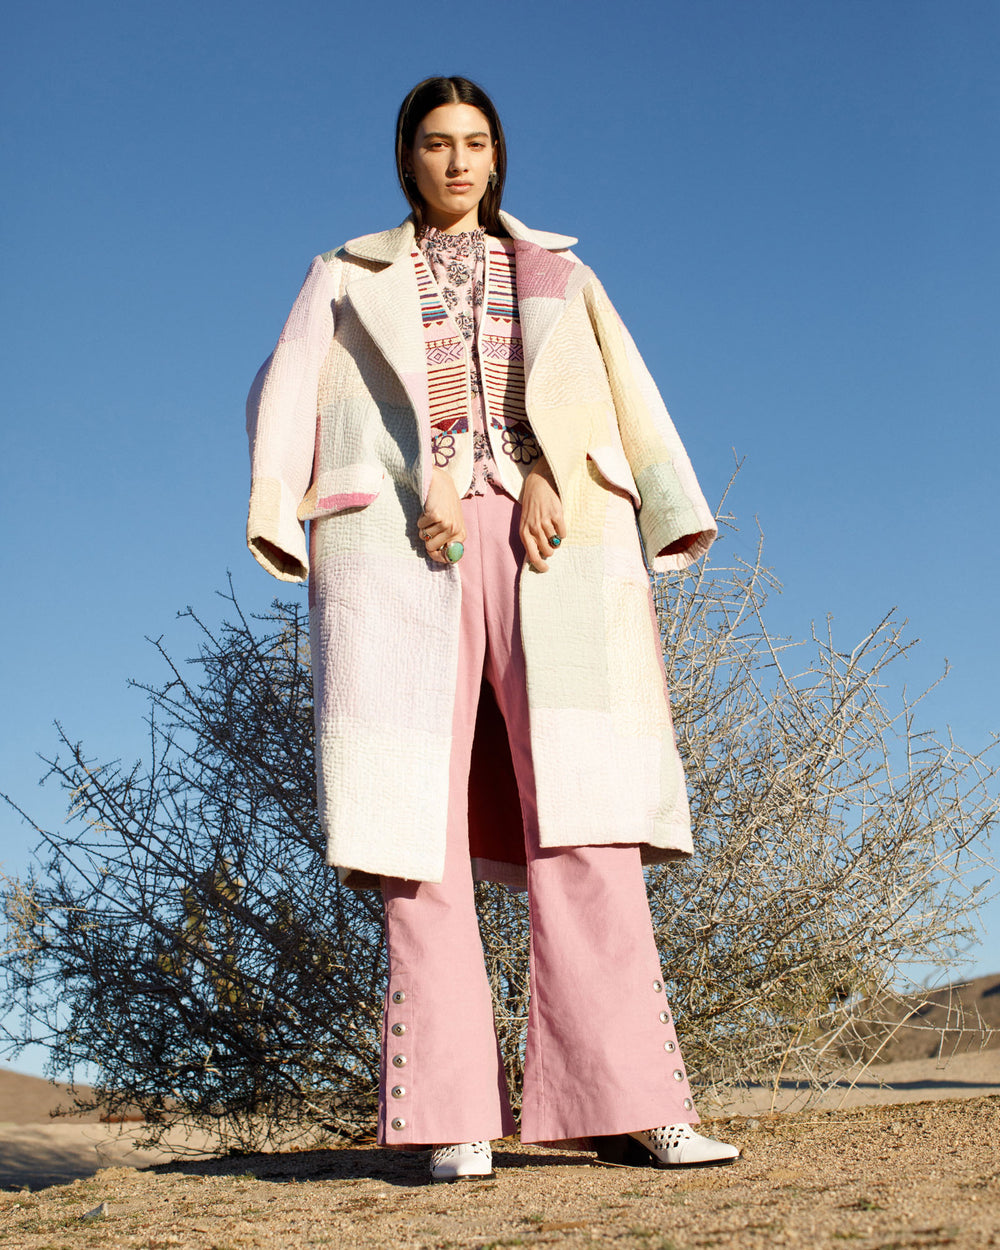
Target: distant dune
[
  {"x": 31, "y": 1099},
  {"x": 954, "y": 1020}
]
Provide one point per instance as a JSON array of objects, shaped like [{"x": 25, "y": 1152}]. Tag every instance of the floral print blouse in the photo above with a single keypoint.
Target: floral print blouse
[{"x": 458, "y": 263}]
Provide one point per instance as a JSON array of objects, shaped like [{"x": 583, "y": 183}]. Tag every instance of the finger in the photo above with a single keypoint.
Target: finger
[
  {"x": 439, "y": 544},
  {"x": 545, "y": 548},
  {"x": 441, "y": 553},
  {"x": 531, "y": 551},
  {"x": 552, "y": 521}
]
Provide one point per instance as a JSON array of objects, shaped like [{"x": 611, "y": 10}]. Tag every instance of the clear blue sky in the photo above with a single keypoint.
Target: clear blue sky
[{"x": 794, "y": 205}]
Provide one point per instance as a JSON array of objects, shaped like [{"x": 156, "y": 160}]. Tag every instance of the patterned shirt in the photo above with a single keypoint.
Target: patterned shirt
[{"x": 458, "y": 263}]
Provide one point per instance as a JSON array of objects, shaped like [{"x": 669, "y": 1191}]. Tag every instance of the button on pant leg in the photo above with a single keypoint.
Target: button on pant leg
[{"x": 442, "y": 1079}]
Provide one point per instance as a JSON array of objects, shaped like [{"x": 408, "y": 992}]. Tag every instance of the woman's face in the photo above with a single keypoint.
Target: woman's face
[{"x": 451, "y": 160}]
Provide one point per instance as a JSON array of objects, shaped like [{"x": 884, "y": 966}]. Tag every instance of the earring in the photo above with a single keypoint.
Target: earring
[
  {"x": 493, "y": 178},
  {"x": 408, "y": 175}
]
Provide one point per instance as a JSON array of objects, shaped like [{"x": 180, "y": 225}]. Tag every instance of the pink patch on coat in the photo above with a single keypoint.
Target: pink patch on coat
[
  {"x": 350, "y": 499},
  {"x": 539, "y": 273}
]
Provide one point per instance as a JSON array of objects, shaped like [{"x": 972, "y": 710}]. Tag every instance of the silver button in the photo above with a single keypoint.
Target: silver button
[
  {"x": 688, "y": 1104},
  {"x": 669, "y": 1047},
  {"x": 399, "y": 1091},
  {"x": 678, "y": 1074},
  {"x": 399, "y": 1061},
  {"x": 664, "y": 1017},
  {"x": 398, "y": 1030},
  {"x": 399, "y": 997},
  {"x": 658, "y": 986},
  {"x": 398, "y": 1123}
]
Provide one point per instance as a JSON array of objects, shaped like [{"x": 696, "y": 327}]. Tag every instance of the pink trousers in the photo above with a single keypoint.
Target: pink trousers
[{"x": 602, "y": 1055}]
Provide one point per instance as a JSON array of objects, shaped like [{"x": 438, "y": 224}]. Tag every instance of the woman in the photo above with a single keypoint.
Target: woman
[{"x": 456, "y": 409}]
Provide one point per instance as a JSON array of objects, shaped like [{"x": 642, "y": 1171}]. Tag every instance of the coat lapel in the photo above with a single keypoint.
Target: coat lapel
[
  {"x": 545, "y": 285},
  {"x": 546, "y": 282},
  {"x": 388, "y": 306}
]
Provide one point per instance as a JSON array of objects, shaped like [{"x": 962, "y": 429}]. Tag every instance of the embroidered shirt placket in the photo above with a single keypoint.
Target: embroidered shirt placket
[{"x": 462, "y": 489}]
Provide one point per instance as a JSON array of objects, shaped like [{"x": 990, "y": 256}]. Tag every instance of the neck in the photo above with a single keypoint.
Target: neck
[{"x": 452, "y": 223}]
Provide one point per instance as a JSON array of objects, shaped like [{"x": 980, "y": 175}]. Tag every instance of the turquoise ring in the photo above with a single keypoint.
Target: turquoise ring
[
  {"x": 555, "y": 540},
  {"x": 453, "y": 552}
]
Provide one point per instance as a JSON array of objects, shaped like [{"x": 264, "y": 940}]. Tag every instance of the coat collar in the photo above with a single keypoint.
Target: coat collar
[
  {"x": 387, "y": 246},
  {"x": 387, "y": 302}
]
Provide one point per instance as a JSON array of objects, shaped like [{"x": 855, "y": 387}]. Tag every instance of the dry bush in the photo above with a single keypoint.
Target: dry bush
[
  {"x": 838, "y": 844},
  {"x": 184, "y": 936}
]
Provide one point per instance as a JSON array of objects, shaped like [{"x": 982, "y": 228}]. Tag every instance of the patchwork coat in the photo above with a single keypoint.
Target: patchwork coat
[{"x": 339, "y": 421}]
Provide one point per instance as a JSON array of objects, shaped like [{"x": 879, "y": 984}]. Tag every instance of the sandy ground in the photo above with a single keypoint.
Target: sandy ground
[
  {"x": 36, "y": 1150},
  {"x": 971, "y": 1075},
  {"x": 915, "y": 1163},
  {"x": 877, "y": 1177}
]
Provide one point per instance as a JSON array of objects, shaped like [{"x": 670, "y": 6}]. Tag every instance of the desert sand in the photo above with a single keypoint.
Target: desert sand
[
  {"x": 900, "y": 1154},
  {"x": 912, "y": 1163},
  {"x": 38, "y": 1150},
  {"x": 874, "y": 1177}
]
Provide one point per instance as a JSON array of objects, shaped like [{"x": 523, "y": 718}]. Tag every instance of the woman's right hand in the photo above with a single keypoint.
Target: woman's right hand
[
  {"x": 541, "y": 516},
  {"x": 441, "y": 521}
]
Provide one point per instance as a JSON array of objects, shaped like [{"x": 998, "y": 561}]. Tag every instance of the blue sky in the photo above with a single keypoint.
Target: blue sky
[{"x": 793, "y": 204}]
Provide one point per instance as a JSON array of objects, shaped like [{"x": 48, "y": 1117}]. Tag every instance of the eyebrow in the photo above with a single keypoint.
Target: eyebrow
[{"x": 439, "y": 134}]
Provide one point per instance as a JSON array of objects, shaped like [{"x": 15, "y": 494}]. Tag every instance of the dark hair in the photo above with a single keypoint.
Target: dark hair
[{"x": 428, "y": 95}]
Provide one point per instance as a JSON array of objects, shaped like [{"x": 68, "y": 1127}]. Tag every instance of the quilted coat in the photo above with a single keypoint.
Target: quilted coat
[{"x": 339, "y": 426}]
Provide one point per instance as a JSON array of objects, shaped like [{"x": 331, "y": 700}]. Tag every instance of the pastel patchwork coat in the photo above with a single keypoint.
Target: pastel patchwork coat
[{"x": 339, "y": 419}]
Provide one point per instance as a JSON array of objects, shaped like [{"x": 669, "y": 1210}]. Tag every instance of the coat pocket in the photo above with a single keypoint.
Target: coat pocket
[
  {"x": 614, "y": 468},
  {"x": 337, "y": 490}
]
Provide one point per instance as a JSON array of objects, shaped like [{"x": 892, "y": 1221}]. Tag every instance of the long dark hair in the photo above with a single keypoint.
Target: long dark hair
[{"x": 428, "y": 95}]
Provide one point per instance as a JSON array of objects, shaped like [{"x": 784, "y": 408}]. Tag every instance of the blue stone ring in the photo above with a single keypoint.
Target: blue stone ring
[
  {"x": 453, "y": 552},
  {"x": 555, "y": 540}
]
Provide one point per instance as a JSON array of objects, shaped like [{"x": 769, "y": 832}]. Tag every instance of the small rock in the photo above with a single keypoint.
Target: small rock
[
  {"x": 98, "y": 1213},
  {"x": 752, "y": 1124}
]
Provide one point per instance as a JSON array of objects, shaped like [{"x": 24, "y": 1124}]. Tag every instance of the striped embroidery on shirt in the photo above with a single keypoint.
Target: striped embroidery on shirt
[
  {"x": 502, "y": 305},
  {"x": 446, "y": 368},
  {"x": 446, "y": 387},
  {"x": 502, "y": 360},
  {"x": 432, "y": 310},
  {"x": 503, "y": 378}
]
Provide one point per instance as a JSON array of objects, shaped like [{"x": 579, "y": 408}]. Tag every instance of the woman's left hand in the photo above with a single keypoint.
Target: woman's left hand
[{"x": 541, "y": 516}]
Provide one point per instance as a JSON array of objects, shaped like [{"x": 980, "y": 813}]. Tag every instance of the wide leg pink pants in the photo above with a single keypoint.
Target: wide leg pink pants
[{"x": 602, "y": 1055}]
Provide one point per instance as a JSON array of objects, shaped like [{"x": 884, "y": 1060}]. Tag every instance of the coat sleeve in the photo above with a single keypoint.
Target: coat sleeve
[
  {"x": 676, "y": 523},
  {"x": 281, "y": 425}
]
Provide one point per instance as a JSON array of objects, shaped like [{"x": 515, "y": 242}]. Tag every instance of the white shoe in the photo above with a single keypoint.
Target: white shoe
[
  {"x": 672, "y": 1146},
  {"x": 469, "y": 1160},
  {"x": 678, "y": 1145}
]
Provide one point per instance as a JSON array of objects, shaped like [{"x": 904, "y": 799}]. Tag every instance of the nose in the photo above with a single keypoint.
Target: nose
[{"x": 459, "y": 162}]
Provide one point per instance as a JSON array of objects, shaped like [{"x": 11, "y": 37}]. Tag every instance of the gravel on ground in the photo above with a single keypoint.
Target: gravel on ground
[{"x": 870, "y": 1177}]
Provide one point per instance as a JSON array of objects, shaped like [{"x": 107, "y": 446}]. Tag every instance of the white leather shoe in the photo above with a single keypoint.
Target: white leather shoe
[
  {"x": 470, "y": 1160},
  {"x": 678, "y": 1145},
  {"x": 672, "y": 1146}
]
